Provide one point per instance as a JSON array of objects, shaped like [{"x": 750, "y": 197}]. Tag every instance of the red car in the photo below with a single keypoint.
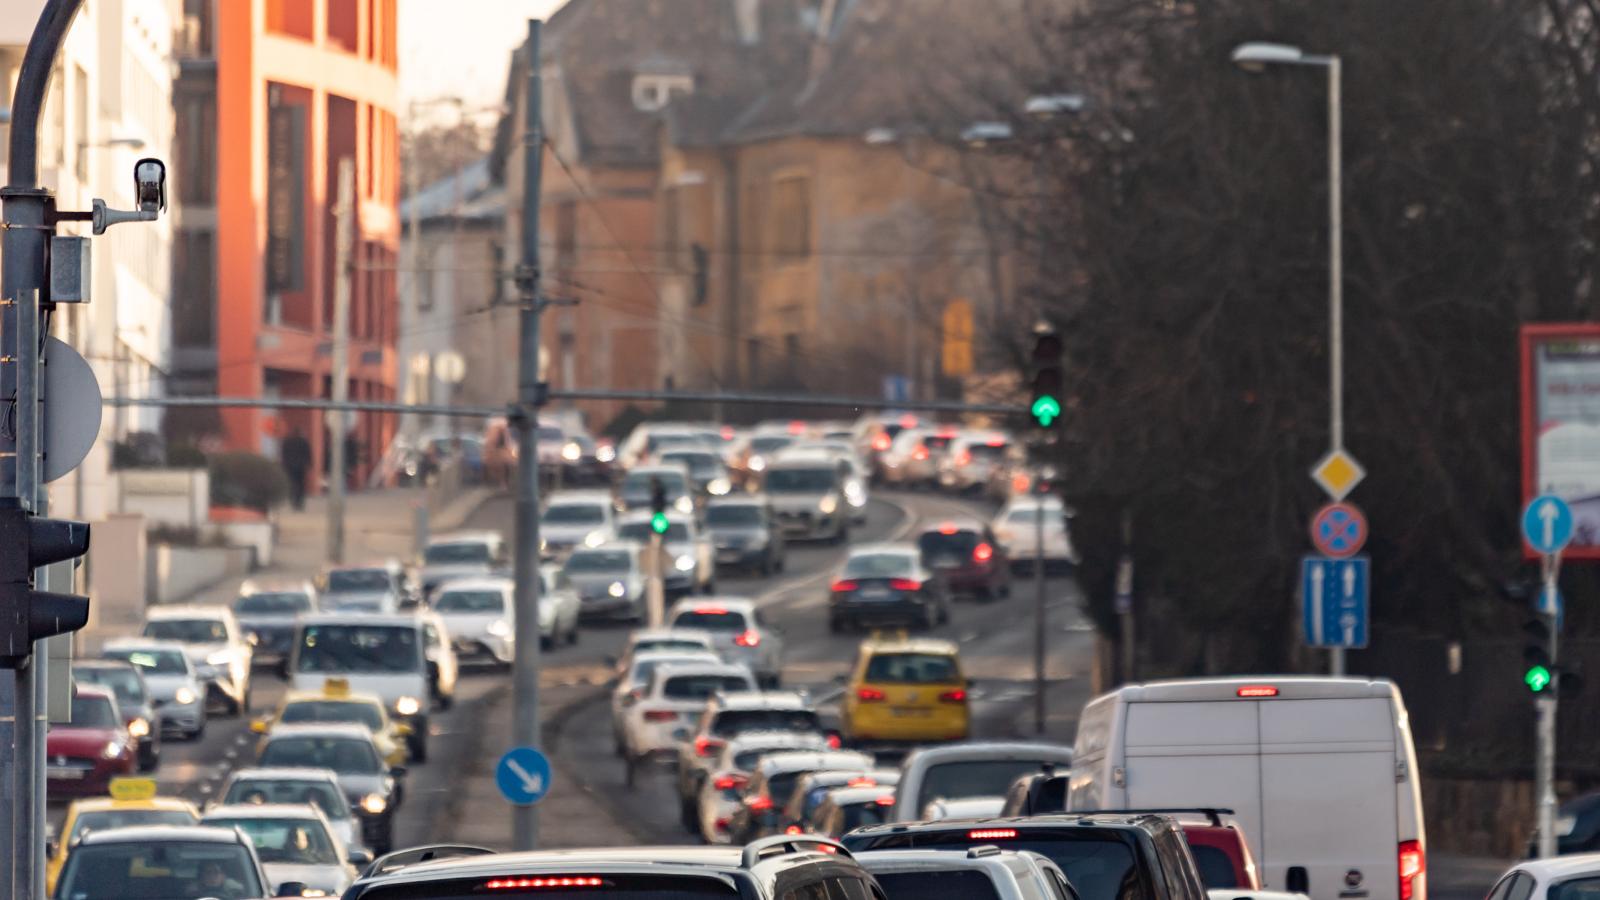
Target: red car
[
  {"x": 967, "y": 558},
  {"x": 84, "y": 755}
]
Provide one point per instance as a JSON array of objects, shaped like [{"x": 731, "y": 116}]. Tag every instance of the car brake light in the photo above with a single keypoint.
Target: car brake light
[
  {"x": 983, "y": 552},
  {"x": 863, "y": 781},
  {"x": 1413, "y": 869},
  {"x": 956, "y": 696},
  {"x": 840, "y": 587},
  {"x": 705, "y": 747},
  {"x": 881, "y": 442},
  {"x": 797, "y": 427},
  {"x": 833, "y": 741},
  {"x": 905, "y": 584},
  {"x": 963, "y": 458},
  {"x": 948, "y": 528},
  {"x": 748, "y": 639},
  {"x": 730, "y": 782},
  {"x": 500, "y": 884},
  {"x": 660, "y": 715},
  {"x": 870, "y": 695},
  {"x": 720, "y": 824},
  {"x": 793, "y": 829},
  {"x": 990, "y": 834},
  {"x": 920, "y": 453},
  {"x": 885, "y": 800},
  {"x": 1257, "y": 690},
  {"x": 727, "y": 432},
  {"x": 997, "y": 442},
  {"x": 1019, "y": 484},
  {"x": 710, "y": 611},
  {"x": 759, "y": 804},
  {"x": 908, "y": 421}
]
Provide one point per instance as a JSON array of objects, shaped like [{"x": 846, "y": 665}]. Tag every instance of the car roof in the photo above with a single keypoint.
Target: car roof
[
  {"x": 707, "y": 605},
  {"x": 319, "y": 729},
  {"x": 385, "y": 564},
  {"x": 477, "y": 583},
  {"x": 658, "y": 656},
  {"x": 187, "y": 611},
  {"x": 989, "y": 750},
  {"x": 804, "y": 459},
  {"x": 276, "y": 585},
  {"x": 644, "y": 634},
  {"x": 601, "y": 497},
  {"x": 148, "y": 834},
  {"x": 852, "y": 796},
  {"x": 347, "y": 696},
  {"x": 261, "y": 811},
  {"x": 1296, "y": 687},
  {"x": 463, "y": 537},
  {"x": 1141, "y": 821},
  {"x": 954, "y": 523},
  {"x": 688, "y": 667},
  {"x": 812, "y": 760},
  {"x": 762, "y": 700},
  {"x": 1546, "y": 870},
  {"x": 705, "y": 860},
  {"x": 157, "y": 803},
  {"x": 778, "y": 740},
  {"x": 286, "y": 773},
  {"x": 142, "y": 643},
  {"x": 980, "y": 858},
  {"x": 738, "y": 500},
  {"x": 657, "y": 469},
  {"x": 629, "y": 546},
  {"x": 353, "y": 618},
  {"x": 96, "y": 663},
  {"x": 900, "y": 643},
  {"x": 897, "y": 547},
  {"x": 90, "y": 690}
]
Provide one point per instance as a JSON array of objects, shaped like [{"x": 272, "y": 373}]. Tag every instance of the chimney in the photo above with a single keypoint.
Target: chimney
[{"x": 747, "y": 19}]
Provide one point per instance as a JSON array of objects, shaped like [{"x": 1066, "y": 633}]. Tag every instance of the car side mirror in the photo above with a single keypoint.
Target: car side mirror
[
  {"x": 1297, "y": 880},
  {"x": 397, "y": 772},
  {"x": 291, "y": 889},
  {"x": 359, "y": 858}
]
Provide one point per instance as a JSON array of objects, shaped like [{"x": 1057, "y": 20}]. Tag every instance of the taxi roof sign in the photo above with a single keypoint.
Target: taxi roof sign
[
  {"x": 132, "y": 789},
  {"x": 336, "y": 687}
]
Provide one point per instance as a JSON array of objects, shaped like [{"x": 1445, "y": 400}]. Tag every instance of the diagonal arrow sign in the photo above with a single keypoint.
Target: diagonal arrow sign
[{"x": 533, "y": 784}]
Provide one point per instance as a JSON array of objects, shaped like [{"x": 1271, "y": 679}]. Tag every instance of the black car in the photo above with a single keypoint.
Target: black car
[
  {"x": 745, "y": 535},
  {"x": 967, "y": 557},
  {"x": 887, "y": 585},
  {"x": 133, "y": 701},
  {"x": 1583, "y": 812}
]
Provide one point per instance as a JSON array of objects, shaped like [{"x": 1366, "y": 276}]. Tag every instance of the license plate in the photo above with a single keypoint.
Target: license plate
[
  {"x": 64, "y": 773},
  {"x": 875, "y": 593},
  {"x": 948, "y": 562},
  {"x": 728, "y": 555},
  {"x": 907, "y": 712}
]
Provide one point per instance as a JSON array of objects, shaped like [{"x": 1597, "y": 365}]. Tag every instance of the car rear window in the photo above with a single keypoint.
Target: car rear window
[
  {"x": 1216, "y": 869},
  {"x": 936, "y": 543},
  {"x": 710, "y": 620},
  {"x": 972, "y": 778},
  {"x": 1099, "y": 863},
  {"x": 987, "y": 451},
  {"x": 912, "y": 668},
  {"x": 738, "y": 721},
  {"x": 643, "y": 886},
  {"x": 968, "y": 884},
  {"x": 937, "y": 441},
  {"x": 1576, "y": 889},
  {"x": 860, "y": 815},
  {"x": 699, "y": 687}
]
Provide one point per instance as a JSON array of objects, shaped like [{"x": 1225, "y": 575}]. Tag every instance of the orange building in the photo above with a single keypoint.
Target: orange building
[{"x": 282, "y": 90}]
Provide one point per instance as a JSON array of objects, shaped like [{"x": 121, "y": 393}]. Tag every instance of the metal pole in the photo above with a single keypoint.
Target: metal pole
[
  {"x": 1336, "y": 665},
  {"x": 344, "y": 236},
  {"x": 1124, "y": 599},
  {"x": 1545, "y": 767},
  {"x": 412, "y": 300},
  {"x": 1038, "y": 608},
  {"x": 525, "y": 671},
  {"x": 30, "y": 732},
  {"x": 657, "y": 590},
  {"x": 419, "y": 528}
]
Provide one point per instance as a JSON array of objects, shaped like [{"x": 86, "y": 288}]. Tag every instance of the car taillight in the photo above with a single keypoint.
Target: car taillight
[
  {"x": 880, "y": 443},
  {"x": 710, "y": 610},
  {"x": 833, "y": 741},
  {"x": 759, "y": 804},
  {"x": 748, "y": 639},
  {"x": 905, "y": 584},
  {"x": 982, "y": 553},
  {"x": 1257, "y": 690},
  {"x": 797, "y": 427},
  {"x": 956, "y": 696},
  {"x": 730, "y": 782},
  {"x": 704, "y": 746},
  {"x": 660, "y": 715},
  {"x": 840, "y": 587},
  {"x": 863, "y": 781},
  {"x": 1413, "y": 870},
  {"x": 885, "y": 800},
  {"x": 963, "y": 458},
  {"x": 793, "y": 829},
  {"x": 948, "y": 528},
  {"x": 501, "y": 884},
  {"x": 920, "y": 453},
  {"x": 991, "y": 834},
  {"x": 870, "y": 695}
]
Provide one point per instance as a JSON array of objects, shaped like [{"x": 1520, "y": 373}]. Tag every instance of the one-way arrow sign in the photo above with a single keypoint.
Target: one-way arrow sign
[{"x": 523, "y": 775}]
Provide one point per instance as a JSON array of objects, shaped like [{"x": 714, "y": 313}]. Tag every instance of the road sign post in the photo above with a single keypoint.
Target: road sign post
[{"x": 1547, "y": 528}]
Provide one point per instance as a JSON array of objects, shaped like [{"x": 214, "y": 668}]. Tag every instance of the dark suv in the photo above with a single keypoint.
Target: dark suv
[
  {"x": 1106, "y": 856},
  {"x": 768, "y": 869},
  {"x": 967, "y": 557}
]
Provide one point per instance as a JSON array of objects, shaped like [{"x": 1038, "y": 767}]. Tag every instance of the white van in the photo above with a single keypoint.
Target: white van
[{"x": 1320, "y": 773}]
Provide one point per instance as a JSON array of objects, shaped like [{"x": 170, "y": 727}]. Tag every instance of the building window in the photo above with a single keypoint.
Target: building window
[
  {"x": 652, "y": 93},
  {"x": 566, "y": 234},
  {"x": 196, "y": 149},
  {"x": 195, "y": 291},
  {"x": 791, "y": 217}
]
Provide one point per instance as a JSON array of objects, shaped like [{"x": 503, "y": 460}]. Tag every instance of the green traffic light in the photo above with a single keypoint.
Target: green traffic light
[
  {"x": 658, "y": 523},
  {"x": 1046, "y": 409},
  {"x": 1537, "y": 679}
]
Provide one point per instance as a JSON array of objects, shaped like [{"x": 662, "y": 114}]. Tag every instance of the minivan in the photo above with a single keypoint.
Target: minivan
[{"x": 1320, "y": 772}]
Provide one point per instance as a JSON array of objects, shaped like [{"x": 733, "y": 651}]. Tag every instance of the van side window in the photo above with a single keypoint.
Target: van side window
[
  {"x": 1501, "y": 888},
  {"x": 816, "y": 890},
  {"x": 1521, "y": 887},
  {"x": 846, "y": 888}
]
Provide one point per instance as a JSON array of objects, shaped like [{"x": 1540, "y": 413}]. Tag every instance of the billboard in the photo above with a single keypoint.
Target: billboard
[{"x": 1561, "y": 424}]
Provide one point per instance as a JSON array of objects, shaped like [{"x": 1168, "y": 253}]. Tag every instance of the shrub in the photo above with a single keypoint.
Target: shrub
[
  {"x": 250, "y": 480},
  {"x": 186, "y": 456}
]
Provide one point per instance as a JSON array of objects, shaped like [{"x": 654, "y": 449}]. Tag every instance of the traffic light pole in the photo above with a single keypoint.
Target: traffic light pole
[{"x": 1545, "y": 706}]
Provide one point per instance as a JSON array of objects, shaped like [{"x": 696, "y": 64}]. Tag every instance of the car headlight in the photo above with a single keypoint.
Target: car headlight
[
  {"x": 111, "y": 750},
  {"x": 543, "y": 545},
  {"x": 184, "y": 696},
  {"x": 685, "y": 563},
  {"x": 718, "y": 487},
  {"x": 605, "y": 454},
  {"x": 571, "y": 451},
  {"x": 139, "y": 728},
  {"x": 219, "y": 658},
  {"x": 408, "y": 706},
  {"x": 684, "y": 504},
  {"x": 594, "y": 539},
  {"x": 373, "y": 804},
  {"x": 828, "y": 504},
  {"x": 501, "y": 628},
  {"x": 757, "y": 463},
  {"x": 617, "y": 589},
  {"x": 854, "y": 493}
]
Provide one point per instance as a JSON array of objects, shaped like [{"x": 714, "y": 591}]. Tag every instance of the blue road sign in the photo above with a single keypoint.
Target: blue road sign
[
  {"x": 896, "y": 388},
  {"x": 1547, "y": 524},
  {"x": 1334, "y": 597},
  {"x": 523, "y": 775}
]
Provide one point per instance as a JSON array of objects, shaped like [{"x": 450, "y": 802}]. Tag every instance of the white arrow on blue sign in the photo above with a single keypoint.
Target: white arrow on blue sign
[
  {"x": 523, "y": 775},
  {"x": 1547, "y": 524},
  {"x": 1335, "y": 601}
]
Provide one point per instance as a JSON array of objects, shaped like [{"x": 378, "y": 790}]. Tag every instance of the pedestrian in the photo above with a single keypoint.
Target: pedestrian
[{"x": 295, "y": 457}]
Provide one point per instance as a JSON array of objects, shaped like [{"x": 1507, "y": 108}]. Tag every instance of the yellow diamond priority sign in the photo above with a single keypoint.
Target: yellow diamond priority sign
[{"x": 1338, "y": 474}]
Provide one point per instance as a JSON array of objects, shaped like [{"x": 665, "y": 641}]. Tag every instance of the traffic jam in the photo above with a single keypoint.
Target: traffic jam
[{"x": 824, "y": 740}]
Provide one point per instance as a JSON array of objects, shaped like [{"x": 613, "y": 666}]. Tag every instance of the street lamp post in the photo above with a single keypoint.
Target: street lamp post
[{"x": 1254, "y": 57}]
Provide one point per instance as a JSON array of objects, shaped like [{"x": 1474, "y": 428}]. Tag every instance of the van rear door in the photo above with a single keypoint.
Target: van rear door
[
  {"x": 1194, "y": 754},
  {"x": 1328, "y": 796}
]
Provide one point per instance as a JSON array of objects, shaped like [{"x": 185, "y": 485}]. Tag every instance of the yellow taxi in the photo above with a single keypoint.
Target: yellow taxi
[
  {"x": 133, "y": 801},
  {"x": 904, "y": 689},
  {"x": 337, "y": 703}
]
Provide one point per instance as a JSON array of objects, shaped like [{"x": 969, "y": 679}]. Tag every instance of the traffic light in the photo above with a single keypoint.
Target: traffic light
[
  {"x": 27, "y": 615},
  {"x": 1538, "y": 671},
  {"x": 658, "y": 506},
  {"x": 1045, "y": 406}
]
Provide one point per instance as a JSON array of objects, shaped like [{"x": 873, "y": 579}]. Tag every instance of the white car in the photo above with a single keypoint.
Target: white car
[
  {"x": 214, "y": 642},
  {"x": 1016, "y": 528},
  {"x": 665, "y": 709},
  {"x": 1570, "y": 877},
  {"x": 857, "y": 477},
  {"x": 463, "y": 554},
  {"x": 982, "y": 871},
  {"x": 176, "y": 691},
  {"x": 481, "y": 617},
  {"x": 319, "y": 787},
  {"x": 558, "y": 607},
  {"x": 912, "y": 460},
  {"x": 722, "y": 792},
  {"x": 739, "y": 633},
  {"x": 689, "y": 548},
  {"x": 630, "y": 687},
  {"x": 643, "y": 640},
  {"x": 972, "y": 460},
  {"x": 295, "y": 843},
  {"x": 574, "y": 519},
  {"x": 964, "y": 808}
]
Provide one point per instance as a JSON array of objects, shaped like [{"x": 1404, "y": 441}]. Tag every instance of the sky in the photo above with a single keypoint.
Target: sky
[{"x": 461, "y": 47}]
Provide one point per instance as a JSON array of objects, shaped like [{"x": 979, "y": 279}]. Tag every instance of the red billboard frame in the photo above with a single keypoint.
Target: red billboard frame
[{"x": 1528, "y": 338}]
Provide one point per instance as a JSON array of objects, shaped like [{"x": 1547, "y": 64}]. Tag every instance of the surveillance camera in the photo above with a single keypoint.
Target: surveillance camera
[{"x": 150, "y": 184}]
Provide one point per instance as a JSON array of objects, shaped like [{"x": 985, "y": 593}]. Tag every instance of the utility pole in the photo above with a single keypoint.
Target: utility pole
[
  {"x": 1038, "y": 602},
  {"x": 344, "y": 236},
  {"x": 1545, "y": 709},
  {"x": 412, "y": 299},
  {"x": 525, "y": 668},
  {"x": 1124, "y": 600}
]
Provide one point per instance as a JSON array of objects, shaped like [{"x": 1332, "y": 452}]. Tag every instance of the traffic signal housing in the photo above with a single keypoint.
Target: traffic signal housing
[
  {"x": 1540, "y": 674},
  {"x": 658, "y": 506},
  {"x": 26, "y": 615},
  {"x": 1044, "y": 407}
]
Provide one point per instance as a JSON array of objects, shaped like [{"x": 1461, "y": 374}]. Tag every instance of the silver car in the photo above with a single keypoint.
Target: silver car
[
  {"x": 691, "y": 559},
  {"x": 609, "y": 580},
  {"x": 350, "y": 752},
  {"x": 176, "y": 693},
  {"x": 808, "y": 494},
  {"x": 267, "y": 610},
  {"x": 319, "y": 787},
  {"x": 464, "y": 554},
  {"x": 739, "y": 634},
  {"x": 574, "y": 519},
  {"x": 377, "y": 588},
  {"x": 295, "y": 843},
  {"x": 214, "y": 642}
]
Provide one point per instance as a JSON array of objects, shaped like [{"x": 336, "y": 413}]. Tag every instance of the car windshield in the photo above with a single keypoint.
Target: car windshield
[
  {"x": 677, "y": 532},
  {"x": 732, "y": 722},
  {"x": 699, "y": 687},
  {"x": 648, "y": 886},
  {"x": 272, "y": 603},
  {"x": 596, "y": 561},
  {"x": 125, "y": 683},
  {"x": 575, "y": 514},
  {"x": 359, "y": 580},
  {"x": 358, "y": 648},
  {"x": 187, "y": 631},
  {"x": 1101, "y": 866},
  {"x": 296, "y": 842},
  {"x": 1575, "y": 889},
  {"x": 968, "y": 884},
  {"x": 736, "y": 515},
  {"x": 668, "y": 644},
  {"x": 973, "y": 778},
  {"x": 355, "y": 711},
  {"x": 988, "y": 451},
  {"x": 710, "y": 619},
  {"x": 700, "y": 463},
  {"x": 639, "y": 483},
  {"x": 93, "y": 711},
  {"x": 939, "y": 544},
  {"x": 801, "y": 481},
  {"x": 161, "y": 870},
  {"x": 324, "y": 795},
  {"x": 550, "y": 434},
  {"x": 1028, "y": 515},
  {"x": 155, "y": 662},
  {"x": 912, "y": 668},
  {"x": 770, "y": 443},
  {"x": 457, "y": 553},
  {"x": 860, "y": 815},
  {"x": 879, "y": 565},
  {"x": 102, "y": 820},
  {"x": 464, "y": 601},
  {"x": 347, "y": 756}
]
